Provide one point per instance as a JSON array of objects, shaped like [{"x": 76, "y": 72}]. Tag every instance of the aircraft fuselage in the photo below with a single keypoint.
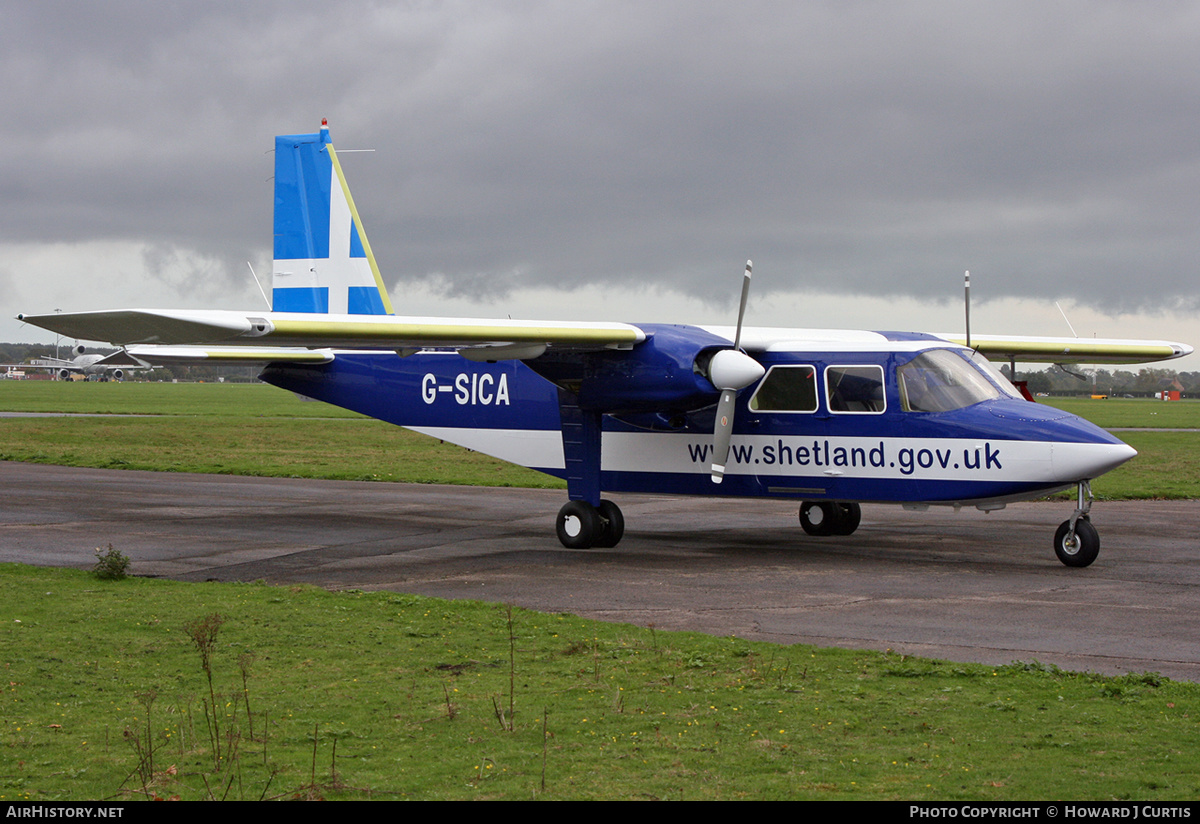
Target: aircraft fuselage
[{"x": 842, "y": 424}]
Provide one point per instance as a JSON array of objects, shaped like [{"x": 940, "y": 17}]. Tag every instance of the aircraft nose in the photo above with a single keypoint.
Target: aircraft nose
[
  {"x": 1080, "y": 450},
  {"x": 1089, "y": 457},
  {"x": 1083, "y": 461}
]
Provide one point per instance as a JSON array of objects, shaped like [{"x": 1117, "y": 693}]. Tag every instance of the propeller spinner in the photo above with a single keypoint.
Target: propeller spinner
[{"x": 731, "y": 370}]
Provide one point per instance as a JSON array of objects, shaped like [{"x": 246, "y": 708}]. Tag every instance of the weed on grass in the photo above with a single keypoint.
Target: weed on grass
[{"x": 111, "y": 565}]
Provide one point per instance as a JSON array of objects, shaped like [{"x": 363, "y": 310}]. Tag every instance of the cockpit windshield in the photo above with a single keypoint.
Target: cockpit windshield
[
  {"x": 997, "y": 376},
  {"x": 940, "y": 381}
]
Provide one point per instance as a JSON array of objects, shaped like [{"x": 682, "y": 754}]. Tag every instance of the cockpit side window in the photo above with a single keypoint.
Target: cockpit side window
[
  {"x": 940, "y": 381},
  {"x": 787, "y": 389},
  {"x": 855, "y": 389}
]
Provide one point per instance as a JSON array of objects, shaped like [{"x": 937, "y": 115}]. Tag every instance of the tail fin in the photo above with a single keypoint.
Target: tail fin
[{"x": 323, "y": 262}]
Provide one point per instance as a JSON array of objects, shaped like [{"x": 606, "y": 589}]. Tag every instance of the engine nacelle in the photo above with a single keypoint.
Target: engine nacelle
[{"x": 666, "y": 373}]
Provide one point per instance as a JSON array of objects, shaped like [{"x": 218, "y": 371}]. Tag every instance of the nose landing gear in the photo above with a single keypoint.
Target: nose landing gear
[{"x": 1077, "y": 543}]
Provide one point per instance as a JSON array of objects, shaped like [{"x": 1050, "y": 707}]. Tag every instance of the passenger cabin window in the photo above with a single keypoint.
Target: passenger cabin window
[
  {"x": 787, "y": 389},
  {"x": 941, "y": 381},
  {"x": 855, "y": 389}
]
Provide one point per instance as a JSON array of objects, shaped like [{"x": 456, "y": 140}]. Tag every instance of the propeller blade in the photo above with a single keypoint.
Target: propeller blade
[
  {"x": 722, "y": 432},
  {"x": 737, "y": 338},
  {"x": 731, "y": 370}
]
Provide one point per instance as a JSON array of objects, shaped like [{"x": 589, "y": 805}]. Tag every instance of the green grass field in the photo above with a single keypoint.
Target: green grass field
[
  {"x": 1131, "y": 412},
  {"x": 343, "y": 695},
  {"x": 225, "y": 400},
  {"x": 1168, "y": 463},
  {"x": 232, "y": 429},
  {"x": 381, "y": 695}
]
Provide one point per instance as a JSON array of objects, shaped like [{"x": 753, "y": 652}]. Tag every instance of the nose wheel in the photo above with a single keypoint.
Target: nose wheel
[{"x": 1077, "y": 543}]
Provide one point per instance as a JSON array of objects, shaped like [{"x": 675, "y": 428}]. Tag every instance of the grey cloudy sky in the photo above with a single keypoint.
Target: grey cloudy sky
[{"x": 622, "y": 159}]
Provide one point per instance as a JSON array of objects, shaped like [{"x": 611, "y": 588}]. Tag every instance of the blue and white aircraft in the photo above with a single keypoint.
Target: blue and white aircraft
[{"x": 827, "y": 418}]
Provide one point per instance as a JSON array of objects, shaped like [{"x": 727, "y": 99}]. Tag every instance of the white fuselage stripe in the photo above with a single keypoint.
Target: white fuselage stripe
[{"x": 941, "y": 459}]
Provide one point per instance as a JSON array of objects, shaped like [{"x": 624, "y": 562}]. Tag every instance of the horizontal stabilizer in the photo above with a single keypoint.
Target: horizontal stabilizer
[{"x": 122, "y": 358}]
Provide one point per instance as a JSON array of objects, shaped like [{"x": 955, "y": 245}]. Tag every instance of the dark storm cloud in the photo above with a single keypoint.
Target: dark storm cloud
[{"x": 850, "y": 147}]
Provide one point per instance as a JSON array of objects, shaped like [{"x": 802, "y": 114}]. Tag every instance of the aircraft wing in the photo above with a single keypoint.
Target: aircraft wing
[
  {"x": 1071, "y": 350},
  {"x": 292, "y": 336},
  {"x": 298, "y": 329}
]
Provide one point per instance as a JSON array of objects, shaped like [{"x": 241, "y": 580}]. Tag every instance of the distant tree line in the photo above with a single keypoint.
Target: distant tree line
[{"x": 1116, "y": 382}]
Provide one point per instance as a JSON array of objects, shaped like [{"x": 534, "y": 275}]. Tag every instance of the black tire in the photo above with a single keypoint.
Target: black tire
[
  {"x": 821, "y": 517},
  {"x": 1083, "y": 550},
  {"x": 612, "y": 525},
  {"x": 851, "y": 517},
  {"x": 577, "y": 525}
]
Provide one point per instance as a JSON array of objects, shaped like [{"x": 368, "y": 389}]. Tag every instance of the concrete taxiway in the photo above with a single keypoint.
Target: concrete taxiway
[{"x": 965, "y": 586}]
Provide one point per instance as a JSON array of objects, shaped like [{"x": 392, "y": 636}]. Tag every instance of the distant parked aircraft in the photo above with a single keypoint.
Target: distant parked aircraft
[{"x": 93, "y": 367}]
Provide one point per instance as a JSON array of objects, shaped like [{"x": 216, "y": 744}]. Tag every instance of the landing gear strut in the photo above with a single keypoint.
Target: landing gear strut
[
  {"x": 830, "y": 517},
  {"x": 1077, "y": 543},
  {"x": 581, "y": 525}
]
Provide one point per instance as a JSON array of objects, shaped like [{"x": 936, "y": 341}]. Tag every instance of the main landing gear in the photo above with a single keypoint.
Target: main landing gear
[
  {"x": 1077, "y": 543},
  {"x": 830, "y": 517},
  {"x": 581, "y": 525}
]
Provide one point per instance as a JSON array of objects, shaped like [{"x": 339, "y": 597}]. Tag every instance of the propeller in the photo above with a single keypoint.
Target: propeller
[{"x": 731, "y": 370}]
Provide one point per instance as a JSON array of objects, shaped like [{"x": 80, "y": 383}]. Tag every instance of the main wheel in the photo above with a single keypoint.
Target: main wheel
[
  {"x": 851, "y": 517},
  {"x": 1081, "y": 551},
  {"x": 821, "y": 517},
  {"x": 612, "y": 524},
  {"x": 578, "y": 525}
]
